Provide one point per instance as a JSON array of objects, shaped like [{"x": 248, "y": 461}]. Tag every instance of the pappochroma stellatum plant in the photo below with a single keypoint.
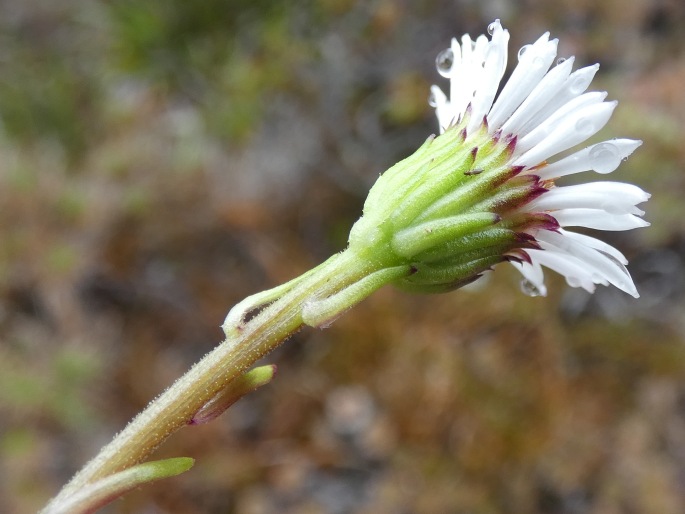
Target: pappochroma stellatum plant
[{"x": 482, "y": 192}]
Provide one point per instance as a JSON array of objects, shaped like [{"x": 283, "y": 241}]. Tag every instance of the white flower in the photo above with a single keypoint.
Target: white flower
[{"x": 548, "y": 112}]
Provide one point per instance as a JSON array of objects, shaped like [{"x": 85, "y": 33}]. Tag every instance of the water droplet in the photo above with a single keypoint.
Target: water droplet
[
  {"x": 432, "y": 100},
  {"x": 523, "y": 50},
  {"x": 577, "y": 85},
  {"x": 604, "y": 157},
  {"x": 585, "y": 126},
  {"x": 573, "y": 281},
  {"x": 529, "y": 289},
  {"x": 444, "y": 62},
  {"x": 491, "y": 28},
  {"x": 561, "y": 60}
]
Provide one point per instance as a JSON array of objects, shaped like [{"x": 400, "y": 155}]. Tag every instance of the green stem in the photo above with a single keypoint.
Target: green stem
[{"x": 246, "y": 342}]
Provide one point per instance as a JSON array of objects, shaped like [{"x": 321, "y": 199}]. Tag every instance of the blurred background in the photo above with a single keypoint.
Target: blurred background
[{"x": 162, "y": 159}]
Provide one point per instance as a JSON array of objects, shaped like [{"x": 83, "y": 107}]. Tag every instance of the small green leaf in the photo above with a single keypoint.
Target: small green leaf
[
  {"x": 107, "y": 489},
  {"x": 233, "y": 392},
  {"x": 321, "y": 313}
]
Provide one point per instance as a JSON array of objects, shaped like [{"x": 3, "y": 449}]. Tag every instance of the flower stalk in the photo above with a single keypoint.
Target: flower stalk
[{"x": 191, "y": 398}]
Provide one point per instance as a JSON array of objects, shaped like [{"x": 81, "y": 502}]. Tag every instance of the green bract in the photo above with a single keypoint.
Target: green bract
[{"x": 440, "y": 210}]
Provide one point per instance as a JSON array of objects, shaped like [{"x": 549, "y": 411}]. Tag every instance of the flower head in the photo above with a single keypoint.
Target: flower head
[
  {"x": 546, "y": 111},
  {"x": 485, "y": 190}
]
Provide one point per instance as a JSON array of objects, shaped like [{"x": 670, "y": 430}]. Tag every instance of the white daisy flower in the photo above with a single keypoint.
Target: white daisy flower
[{"x": 542, "y": 111}]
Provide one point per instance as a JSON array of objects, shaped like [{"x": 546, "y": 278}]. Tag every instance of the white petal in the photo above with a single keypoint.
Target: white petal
[
  {"x": 546, "y": 89},
  {"x": 595, "y": 243},
  {"x": 603, "y": 265},
  {"x": 461, "y": 90},
  {"x": 551, "y": 124},
  {"x": 575, "y": 85},
  {"x": 598, "y": 219},
  {"x": 532, "y": 66},
  {"x": 480, "y": 49},
  {"x": 572, "y": 130},
  {"x": 602, "y": 157},
  {"x": 476, "y": 66},
  {"x": 456, "y": 53},
  {"x": 442, "y": 106},
  {"x": 576, "y": 274},
  {"x": 493, "y": 70},
  {"x": 445, "y": 110},
  {"x": 612, "y": 197}
]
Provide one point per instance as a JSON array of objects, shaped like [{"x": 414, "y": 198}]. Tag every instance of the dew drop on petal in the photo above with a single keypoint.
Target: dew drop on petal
[
  {"x": 432, "y": 100},
  {"x": 585, "y": 126},
  {"x": 523, "y": 50},
  {"x": 561, "y": 60},
  {"x": 529, "y": 289},
  {"x": 444, "y": 62},
  {"x": 491, "y": 28},
  {"x": 573, "y": 281},
  {"x": 605, "y": 157}
]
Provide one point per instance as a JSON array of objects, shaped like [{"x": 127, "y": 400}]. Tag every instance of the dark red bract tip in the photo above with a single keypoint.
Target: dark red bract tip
[
  {"x": 524, "y": 237},
  {"x": 542, "y": 220},
  {"x": 511, "y": 144},
  {"x": 515, "y": 170},
  {"x": 518, "y": 255},
  {"x": 537, "y": 192}
]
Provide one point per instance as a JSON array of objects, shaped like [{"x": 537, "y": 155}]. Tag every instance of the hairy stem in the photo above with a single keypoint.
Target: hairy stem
[{"x": 246, "y": 342}]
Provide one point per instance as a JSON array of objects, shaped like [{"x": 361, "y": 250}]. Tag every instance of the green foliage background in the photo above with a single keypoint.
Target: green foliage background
[{"x": 160, "y": 160}]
